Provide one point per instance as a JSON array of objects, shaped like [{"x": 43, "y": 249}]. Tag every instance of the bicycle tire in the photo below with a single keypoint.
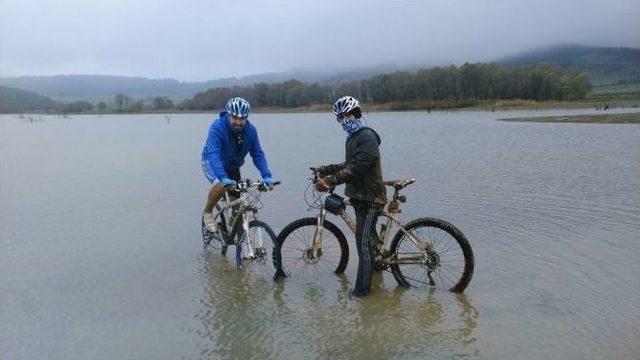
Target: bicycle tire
[
  {"x": 461, "y": 266},
  {"x": 263, "y": 260},
  {"x": 296, "y": 254}
]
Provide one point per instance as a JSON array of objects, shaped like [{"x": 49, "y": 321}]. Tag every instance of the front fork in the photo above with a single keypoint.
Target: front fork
[
  {"x": 316, "y": 246},
  {"x": 250, "y": 242}
]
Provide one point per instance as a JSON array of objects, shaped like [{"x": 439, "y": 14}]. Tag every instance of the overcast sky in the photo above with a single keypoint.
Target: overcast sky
[{"x": 202, "y": 40}]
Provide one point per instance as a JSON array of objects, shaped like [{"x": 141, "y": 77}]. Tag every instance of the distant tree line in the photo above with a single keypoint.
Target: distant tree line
[
  {"x": 456, "y": 86},
  {"x": 467, "y": 82},
  {"x": 121, "y": 103},
  {"x": 288, "y": 94}
]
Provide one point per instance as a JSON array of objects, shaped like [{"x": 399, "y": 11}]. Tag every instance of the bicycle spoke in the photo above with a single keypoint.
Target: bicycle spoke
[
  {"x": 299, "y": 260},
  {"x": 441, "y": 265}
]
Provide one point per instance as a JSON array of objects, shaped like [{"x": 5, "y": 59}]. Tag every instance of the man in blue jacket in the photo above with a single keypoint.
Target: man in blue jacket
[{"x": 231, "y": 137}]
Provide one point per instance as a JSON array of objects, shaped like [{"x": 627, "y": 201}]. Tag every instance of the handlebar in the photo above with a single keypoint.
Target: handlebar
[
  {"x": 246, "y": 184},
  {"x": 316, "y": 177}
]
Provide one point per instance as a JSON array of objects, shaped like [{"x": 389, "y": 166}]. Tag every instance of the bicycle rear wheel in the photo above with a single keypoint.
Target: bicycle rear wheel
[
  {"x": 447, "y": 264},
  {"x": 294, "y": 255}
]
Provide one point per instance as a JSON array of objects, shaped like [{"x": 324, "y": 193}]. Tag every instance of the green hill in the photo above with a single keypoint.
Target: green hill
[
  {"x": 607, "y": 65},
  {"x": 14, "y": 100},
  {"x": 102, "y": 87}
]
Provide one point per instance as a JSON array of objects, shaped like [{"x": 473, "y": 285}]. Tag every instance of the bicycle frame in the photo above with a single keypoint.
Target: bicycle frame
[
  {"x": 416, "y": 243},
  {"x": 241, "y": 210},
  {"x": 391, "y": 221},
  {"x": 233, "y": 225}
]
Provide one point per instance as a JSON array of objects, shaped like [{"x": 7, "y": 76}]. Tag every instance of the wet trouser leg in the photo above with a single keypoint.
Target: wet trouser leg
[{"x": 366, "y": 219}]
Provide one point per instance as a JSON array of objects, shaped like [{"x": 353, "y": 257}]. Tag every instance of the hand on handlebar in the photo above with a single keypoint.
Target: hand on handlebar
[
  {"x": 227, "y": 183},
  {"x": 322, "y": 185},
  {"x": 269, "y": 183}
]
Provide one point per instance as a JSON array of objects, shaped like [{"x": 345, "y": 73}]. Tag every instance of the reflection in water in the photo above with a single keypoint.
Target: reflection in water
[
  {"x": 244, "y": 317},
  {"x": 230, "y": 315}
]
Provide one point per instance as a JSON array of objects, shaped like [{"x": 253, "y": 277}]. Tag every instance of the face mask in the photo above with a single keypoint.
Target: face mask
[{"x": 351, "y": 126}]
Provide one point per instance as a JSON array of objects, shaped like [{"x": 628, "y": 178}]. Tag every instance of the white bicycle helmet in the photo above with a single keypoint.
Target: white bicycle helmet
[
  {"x": 238, "y": 107},
  {"x": 345, "y": 104}
]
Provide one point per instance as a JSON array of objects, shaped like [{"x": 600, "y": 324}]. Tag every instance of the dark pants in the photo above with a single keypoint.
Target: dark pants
[{"x": 366, "y": 237}]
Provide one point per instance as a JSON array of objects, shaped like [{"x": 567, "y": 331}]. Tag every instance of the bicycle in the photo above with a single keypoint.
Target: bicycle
[
  {"x": 424, "y": 251},
  {"x": 252, "y": 237}
]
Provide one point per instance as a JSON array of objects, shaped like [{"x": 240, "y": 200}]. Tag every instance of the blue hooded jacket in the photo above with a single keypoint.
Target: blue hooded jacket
[{"x": 220, "y": 152}]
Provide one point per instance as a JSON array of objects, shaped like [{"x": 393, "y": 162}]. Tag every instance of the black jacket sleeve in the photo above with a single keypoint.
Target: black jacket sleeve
[
  {"x": 364, "y": 155},
  {"x": 330, "y": 169}
]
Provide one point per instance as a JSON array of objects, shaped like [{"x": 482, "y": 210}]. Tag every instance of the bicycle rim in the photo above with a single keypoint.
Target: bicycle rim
[
  {"x": 449, "y": 265},
  {"x": 298, "y": 257},
  {"x": 257, "y": 250}
]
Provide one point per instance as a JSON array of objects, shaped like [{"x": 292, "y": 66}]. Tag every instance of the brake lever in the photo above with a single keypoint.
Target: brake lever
[
  {"x": 315, "y": 177},
  {"x": 262, "y": 186}
]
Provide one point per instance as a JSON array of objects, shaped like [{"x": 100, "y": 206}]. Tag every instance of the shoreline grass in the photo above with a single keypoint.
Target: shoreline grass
[
  {"x": 630, "y": 118},
  {"x": 502, "y": 105}
]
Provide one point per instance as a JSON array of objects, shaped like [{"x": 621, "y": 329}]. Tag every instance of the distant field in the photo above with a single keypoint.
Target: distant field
[
  {"x": 633, "y": 118},
  {"x": 629, "y": 91}
]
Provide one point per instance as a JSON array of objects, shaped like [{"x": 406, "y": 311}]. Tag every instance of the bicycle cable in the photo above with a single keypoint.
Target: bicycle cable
[
  {"x": 253, "y": 199},
  {"x": 313, "y": 201}
]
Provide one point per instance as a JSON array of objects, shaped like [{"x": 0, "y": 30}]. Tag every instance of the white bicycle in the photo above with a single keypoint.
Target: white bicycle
[{"x": 238, "y": 224}]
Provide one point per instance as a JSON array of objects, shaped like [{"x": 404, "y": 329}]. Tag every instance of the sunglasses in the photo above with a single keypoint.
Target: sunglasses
[{"x": 342, "y": 116}]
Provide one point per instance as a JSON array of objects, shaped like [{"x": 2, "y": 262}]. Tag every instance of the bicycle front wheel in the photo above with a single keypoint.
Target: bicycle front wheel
[
  {"x": 447, "y": 262},
  {"x": 255, "y": 249},
  {"x": 295, "y": 254}
]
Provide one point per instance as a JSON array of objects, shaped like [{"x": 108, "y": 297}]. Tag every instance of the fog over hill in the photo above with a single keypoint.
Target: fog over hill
[{"x": 607, "y": 65}]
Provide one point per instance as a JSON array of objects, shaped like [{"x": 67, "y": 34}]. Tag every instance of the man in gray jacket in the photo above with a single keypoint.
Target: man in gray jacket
[{"x": 362, "y": 174}]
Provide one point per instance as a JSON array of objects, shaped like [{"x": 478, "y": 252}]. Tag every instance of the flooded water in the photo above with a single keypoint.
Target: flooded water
[{"x": 101, "y": 255}]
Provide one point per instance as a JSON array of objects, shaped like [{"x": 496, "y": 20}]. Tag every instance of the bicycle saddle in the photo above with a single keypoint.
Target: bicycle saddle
[{"x": 399, "y": 184}]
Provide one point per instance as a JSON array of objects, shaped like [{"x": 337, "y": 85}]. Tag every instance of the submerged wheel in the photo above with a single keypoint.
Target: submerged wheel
[
  {"x": 294, "y": 256},
  {"x": 257, "y": 249},
  {"x": 449, "y": 264}
]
